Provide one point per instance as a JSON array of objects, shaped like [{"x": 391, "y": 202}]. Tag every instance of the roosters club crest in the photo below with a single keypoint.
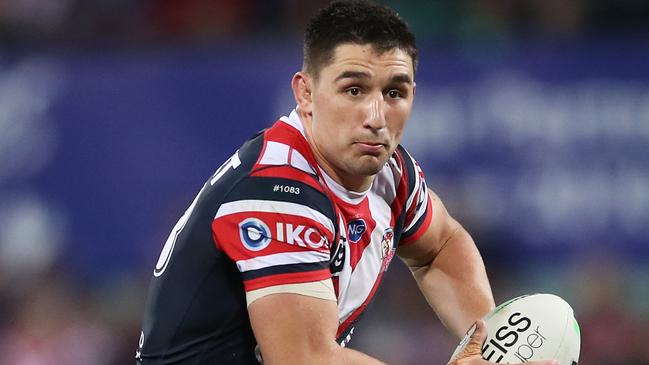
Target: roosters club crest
[{"x": 387, "y": 248}]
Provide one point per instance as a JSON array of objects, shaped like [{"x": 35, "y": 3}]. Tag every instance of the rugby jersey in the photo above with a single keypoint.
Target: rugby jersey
[{"x": 271, "y": 216}]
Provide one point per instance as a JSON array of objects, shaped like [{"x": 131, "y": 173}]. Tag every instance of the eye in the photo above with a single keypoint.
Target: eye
[
  {"x": 394, "y": 94},
  {"x": 353, "y": 91}
]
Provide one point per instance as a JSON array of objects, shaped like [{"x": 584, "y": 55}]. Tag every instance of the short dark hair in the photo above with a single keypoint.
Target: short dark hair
[{"x": 357, "y": 22}]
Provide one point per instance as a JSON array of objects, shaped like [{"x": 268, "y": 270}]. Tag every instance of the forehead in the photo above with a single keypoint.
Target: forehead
[{"x": 366, "y": 58}]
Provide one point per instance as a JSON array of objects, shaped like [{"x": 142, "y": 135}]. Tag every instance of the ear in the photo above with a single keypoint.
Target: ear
[
  {"x": 302, "y": 86},
  {"x": 414, "y": 89}
]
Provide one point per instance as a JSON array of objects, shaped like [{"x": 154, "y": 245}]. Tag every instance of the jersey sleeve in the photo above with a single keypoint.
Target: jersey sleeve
[
  {"x": 277, "y": 231},
  {"x": 418, "y": 205}
]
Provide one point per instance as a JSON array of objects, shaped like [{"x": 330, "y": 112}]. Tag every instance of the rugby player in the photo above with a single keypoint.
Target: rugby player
[{"x": 284, "y": 247}]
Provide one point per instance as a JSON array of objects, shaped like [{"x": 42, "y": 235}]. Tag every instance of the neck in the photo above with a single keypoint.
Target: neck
[{"x": 358, "y": 184}]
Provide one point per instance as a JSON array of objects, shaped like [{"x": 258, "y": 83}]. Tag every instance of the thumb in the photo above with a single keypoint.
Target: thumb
[
  {"x": 474, "y": 347},
  {"x": 471, "y": 344}
]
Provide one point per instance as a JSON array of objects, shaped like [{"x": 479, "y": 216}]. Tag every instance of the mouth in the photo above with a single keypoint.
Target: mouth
[{"x": 372, "y": 148}]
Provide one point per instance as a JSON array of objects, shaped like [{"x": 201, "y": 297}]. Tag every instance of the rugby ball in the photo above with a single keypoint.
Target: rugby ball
[{"x": 530, "y": 327}]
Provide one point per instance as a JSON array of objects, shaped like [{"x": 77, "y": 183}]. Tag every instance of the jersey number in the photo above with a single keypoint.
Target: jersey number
[
  {"x": 232, "y": 162},
  {"x": 165, "y": 256}
]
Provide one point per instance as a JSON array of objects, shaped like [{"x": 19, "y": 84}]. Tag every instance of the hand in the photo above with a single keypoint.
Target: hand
[{"x": 472, "y": 353}]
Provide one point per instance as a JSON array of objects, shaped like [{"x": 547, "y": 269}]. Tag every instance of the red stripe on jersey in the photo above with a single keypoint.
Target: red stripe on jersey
[
  {"x": 412, "y": 210},
  {"x": 354, "y": 212},
  {"x": 287, "y": 278},
  {"x": 336, "y": 282},
  {"x": 284, "y": 133},
  {"x": 227, "y": 234},
  {"x": 428, "y": 217},
  {"x": 401, "y": 198}
]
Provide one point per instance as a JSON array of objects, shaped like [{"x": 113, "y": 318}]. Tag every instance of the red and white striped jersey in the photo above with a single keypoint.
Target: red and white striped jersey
[
  {"x": 293, "y": 235},
  {"x": 270, "y": 216}
]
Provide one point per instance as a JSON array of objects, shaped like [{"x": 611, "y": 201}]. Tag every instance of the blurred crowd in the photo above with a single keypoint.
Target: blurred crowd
[
  {"x": 128, "y": 21},
  {"x": 51, "y": 316}
]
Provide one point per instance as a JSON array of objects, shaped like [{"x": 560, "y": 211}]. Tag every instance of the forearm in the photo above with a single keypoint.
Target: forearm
[
  {"x": 455, "y": 283},
  {"x": 297, "y": 329}
]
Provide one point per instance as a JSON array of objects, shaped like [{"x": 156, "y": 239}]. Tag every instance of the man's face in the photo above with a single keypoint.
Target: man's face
[{"x": 359, "y": 107}]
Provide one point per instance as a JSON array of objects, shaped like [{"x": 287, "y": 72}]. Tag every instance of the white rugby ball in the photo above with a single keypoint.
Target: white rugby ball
[{"x": 531, "y": 327}]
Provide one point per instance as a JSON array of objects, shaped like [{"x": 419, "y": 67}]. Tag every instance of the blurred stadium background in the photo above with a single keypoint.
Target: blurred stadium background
[{"x": 531, "y": 122}]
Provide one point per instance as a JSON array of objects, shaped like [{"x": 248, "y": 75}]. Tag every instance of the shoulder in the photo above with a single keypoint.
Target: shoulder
[
  {"x": 407, "y": 162},
  {"x": 277, "y": 153},
  {"x": 278, "y": 179},
  {"x": 408, "y": 177}
]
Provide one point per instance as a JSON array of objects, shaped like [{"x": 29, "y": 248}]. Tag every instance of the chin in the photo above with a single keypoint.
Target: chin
[
  {"x": 367, "y": 171},
  {"x": 370, "y": 168}
]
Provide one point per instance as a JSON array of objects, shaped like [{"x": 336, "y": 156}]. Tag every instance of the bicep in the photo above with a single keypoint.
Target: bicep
[
  {"x": 450, "y": 272},
  {"x": 294, "y": 329}
]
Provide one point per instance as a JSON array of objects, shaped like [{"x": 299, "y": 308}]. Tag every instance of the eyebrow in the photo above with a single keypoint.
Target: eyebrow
[
  {"x": 396, "y": 79},
  {"x": 401, "y": 79},
  {"x": 353, "y": 75}
]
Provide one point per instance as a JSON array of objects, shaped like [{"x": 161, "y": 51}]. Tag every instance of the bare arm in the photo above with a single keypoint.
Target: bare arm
[
  {"x": 299, "y": 329},
  {"x": 449, "y": 271}
]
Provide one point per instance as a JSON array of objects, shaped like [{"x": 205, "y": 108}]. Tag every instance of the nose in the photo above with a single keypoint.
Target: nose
[{"x": 375, "y": 113}]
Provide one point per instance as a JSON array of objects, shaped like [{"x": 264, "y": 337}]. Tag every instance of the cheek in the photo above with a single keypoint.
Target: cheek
[
  {"x": 325, "y": 134},
  {"x": 331, "y": 136},
  {"x": 398, "y": 123},
  {"x": 330, "y": 124}
]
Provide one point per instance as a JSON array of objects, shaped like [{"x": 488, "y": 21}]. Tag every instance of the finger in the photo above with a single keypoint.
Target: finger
[{"x": 474, "y": 347}]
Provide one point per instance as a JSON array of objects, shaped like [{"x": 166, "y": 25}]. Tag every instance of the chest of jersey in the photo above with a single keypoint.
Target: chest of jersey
[{"x": 366, "y": 247}]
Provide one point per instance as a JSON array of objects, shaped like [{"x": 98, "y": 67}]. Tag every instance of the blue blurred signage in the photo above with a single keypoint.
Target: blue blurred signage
[{"x": 101, "y": 152}]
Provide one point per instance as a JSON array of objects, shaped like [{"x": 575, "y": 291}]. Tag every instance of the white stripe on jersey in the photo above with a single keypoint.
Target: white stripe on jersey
[
  {"x": 423, "y": 194},
  {"x": 368, "y": 269},
  {"x": 294, "y": 121},
  {"x": 272, "y": 206},
  {"x": 297, "y": 160},
  {"x": 351, "y": 197},
  {"x": 384, "y": 182},
  {"x": 284, "y": 258},
  {"x": 411, "y": 198},
  {"x": 276, "y": 153}
]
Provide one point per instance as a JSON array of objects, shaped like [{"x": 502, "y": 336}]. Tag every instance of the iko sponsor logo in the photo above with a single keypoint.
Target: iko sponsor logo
[
  {"x": 355, "y": 230},
  {"x": 255, "y": 234},
  {"x": 300, "y": 235}
]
